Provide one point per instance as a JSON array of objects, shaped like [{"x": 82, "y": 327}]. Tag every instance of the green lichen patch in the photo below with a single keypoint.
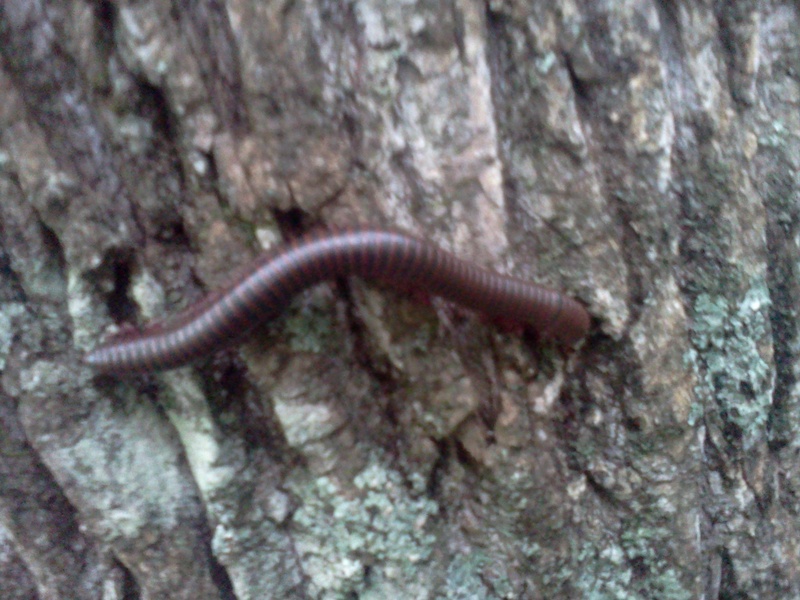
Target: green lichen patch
[
  {"x": 371, "y": 535},
  {"x": 628, "y": 568},
  {"x": 733, "y": 376},
  {"x": 463, "y": 578},
  {"x": 311, "y": 329},
  {"x": 477, "y": 576}
]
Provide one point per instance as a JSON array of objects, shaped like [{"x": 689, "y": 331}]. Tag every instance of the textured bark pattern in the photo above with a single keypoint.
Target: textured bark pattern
[{"x": 642, "y": 156}]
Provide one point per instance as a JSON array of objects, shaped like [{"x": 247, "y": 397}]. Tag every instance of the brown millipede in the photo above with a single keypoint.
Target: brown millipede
[{"x": 391, "y": 256}]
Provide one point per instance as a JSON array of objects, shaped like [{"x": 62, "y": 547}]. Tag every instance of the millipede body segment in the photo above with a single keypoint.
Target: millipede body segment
[{"x": 391, "y": 256}]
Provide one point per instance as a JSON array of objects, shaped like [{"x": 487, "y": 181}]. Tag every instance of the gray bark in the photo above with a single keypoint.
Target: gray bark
[{"x": 642, "y": 156}]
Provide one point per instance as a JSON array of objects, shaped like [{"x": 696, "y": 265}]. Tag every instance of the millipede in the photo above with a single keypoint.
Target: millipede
[{"x": 391, "y": 256}]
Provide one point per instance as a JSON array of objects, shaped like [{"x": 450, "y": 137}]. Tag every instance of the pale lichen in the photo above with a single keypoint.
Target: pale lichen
[
  {"x": 732, "y": 372},
  {"x": 377, "y": 526}
]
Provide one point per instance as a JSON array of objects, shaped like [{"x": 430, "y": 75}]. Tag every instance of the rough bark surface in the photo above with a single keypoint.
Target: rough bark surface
[{"x": 642, "y": 155}]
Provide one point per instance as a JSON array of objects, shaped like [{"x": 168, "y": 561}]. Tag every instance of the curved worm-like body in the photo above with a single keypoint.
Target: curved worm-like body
[{"x": 390, "y": 256}]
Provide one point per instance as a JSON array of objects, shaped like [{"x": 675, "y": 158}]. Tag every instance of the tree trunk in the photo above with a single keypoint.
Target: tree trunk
[{"x": 640, "y": 156}]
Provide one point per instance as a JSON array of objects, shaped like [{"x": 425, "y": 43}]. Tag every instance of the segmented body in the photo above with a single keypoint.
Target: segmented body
[{"x": 391, "y": 256}]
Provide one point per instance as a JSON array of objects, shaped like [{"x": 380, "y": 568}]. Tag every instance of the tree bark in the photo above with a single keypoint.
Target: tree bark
[{"x": 642, "y": 156}]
